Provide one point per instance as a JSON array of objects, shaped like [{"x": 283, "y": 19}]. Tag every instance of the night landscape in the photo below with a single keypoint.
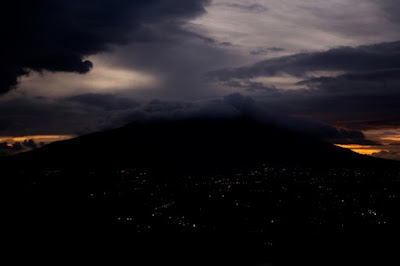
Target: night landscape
[{"x": 199, "y": 132}]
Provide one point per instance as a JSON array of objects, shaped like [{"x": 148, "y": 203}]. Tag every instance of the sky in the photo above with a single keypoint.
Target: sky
[{"x": 330, "y": 68}]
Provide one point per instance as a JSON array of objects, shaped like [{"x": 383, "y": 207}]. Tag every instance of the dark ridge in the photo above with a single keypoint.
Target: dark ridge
[
  {"x": 201, "y": 192},
  {"x": 191, "y": 146}
]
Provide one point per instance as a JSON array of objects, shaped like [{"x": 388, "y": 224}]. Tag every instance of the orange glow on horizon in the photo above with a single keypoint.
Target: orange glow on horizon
[
  {"x": 361, "y": 149},
  {"x": 366, "y": 151},
  {"x": 394, "y": 138},
  {"x": 38, "y": 138},
  {"x": 387, "y": 143}
]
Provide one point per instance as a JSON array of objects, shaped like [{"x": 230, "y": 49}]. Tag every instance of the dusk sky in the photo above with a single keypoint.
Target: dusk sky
[{"x": 330, "y": 68}]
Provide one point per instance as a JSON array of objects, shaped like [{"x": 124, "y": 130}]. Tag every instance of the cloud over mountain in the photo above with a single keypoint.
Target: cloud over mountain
[
  {"x": 59, "y": 35},
  {"x": 362, "y": 58}
]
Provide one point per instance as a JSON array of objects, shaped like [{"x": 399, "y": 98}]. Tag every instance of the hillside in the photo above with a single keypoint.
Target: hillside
[{"x": 191, "y": 146}]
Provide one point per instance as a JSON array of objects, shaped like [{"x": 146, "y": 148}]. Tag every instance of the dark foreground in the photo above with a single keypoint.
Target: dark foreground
[
  {"x": 271, "y": 215},
  {"x": 200, "y": 192}
]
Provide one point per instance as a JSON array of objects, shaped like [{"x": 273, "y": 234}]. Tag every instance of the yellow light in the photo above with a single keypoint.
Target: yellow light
[
  {"x": 391, "y": 138},
  {"x": 361, "y": 149},
  {"x": 366, "y": 151},
  {"x": 38, "y": 138}
]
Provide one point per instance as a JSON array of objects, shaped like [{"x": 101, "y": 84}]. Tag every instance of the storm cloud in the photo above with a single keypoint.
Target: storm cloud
[
  {"x": 363, "y": 58},
  {"x": 341, "y": 84},
  {"x": 391, "y": 8},
  {"x": 59, "y": 35},
  {"x": 87, "y": 113},
  {"x": 266, "y": 50},
  {"x": 312, "y": 67},
  {"x": 247, "y": 7}
]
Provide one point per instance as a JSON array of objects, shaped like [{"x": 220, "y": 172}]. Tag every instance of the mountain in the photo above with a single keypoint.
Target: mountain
[
  {"x": 189, "y": 146},
  {"x": 262, "y": 185}
]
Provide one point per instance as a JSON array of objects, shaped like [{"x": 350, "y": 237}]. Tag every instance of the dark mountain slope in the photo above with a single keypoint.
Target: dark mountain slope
[
  {"x": 190, "y": 145},
  {"x": 194, "y": 145},
  {"x": 73, "y": 184}
]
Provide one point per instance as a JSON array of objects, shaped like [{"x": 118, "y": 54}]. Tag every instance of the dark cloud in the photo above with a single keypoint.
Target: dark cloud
[
  {"x": 322, "y": 131},
  {"x": 226, "y": 44},
  {"x": 107, "y": 102},
  {"x": 391, "y": 155},
  {"x": 385, "y": 79},
  {"x": 363, "y": 58},
  {"x": 59, "y": 35},
  {"x": 180, "y": 34},
  {"x": 250, "y": 85},
  {"x": 4, "y": 145},
  {"x": 79, "y": 114},
  {"x": 7, "y": 149},
  {"x": 90, "y": 112},
  {"x": 365, "y": 99},
  {"x": 391, "y": 8},
  {"x": 383, "y": 123},
  {"x": 249, "y": 7},
  {"x": 17, "y": 146},
  {"x": 346, "y": 106},
  {"x": 366, "y": 88},
  {"x": 238, "y": 105},
  {"x": 179, "y": 63},
  {"x": 345, "y": 136},
  {"x": 31, "y": 116},
  {"x": 266, "y": 50},
  {"x": 30, "y": 144},
  {"x": 245, "y": 104}
]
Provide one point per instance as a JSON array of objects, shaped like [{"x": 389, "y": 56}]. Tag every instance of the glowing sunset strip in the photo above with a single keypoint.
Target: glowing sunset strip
[
  {"x": 391, "y": 138},
  {"x": 361, "y": 149},
  {"x": 45, "y": 138}
]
